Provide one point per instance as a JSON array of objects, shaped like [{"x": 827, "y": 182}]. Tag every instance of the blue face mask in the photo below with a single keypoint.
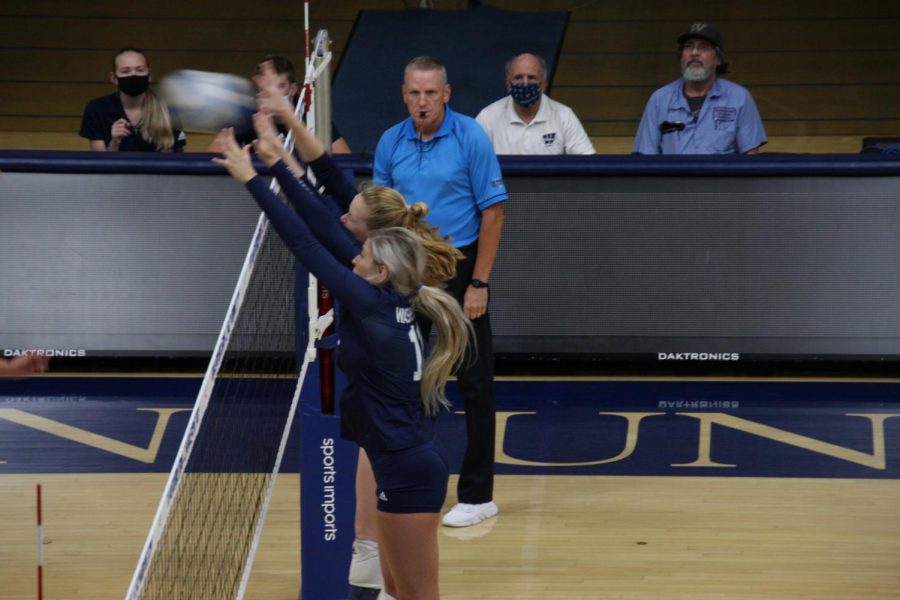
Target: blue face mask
[{"x": 525, "y": 94}]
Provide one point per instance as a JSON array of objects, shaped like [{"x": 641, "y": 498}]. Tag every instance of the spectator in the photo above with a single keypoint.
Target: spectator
[
  {"x": 133, "y": 119},
  {"x": 286, "y": 80},
  {"x": 700, "y": 113},
  {"x": 527, "y": 121},
  {"x": 445, "y": 159}
]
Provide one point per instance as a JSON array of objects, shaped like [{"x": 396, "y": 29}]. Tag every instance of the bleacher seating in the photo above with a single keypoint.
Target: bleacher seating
[{"x": 822, "y": 71}]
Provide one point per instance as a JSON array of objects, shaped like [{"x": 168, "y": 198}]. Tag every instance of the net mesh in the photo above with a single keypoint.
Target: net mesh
[
  {"x": 212, "y": 517},
  {"x": 202, "y": 541}
]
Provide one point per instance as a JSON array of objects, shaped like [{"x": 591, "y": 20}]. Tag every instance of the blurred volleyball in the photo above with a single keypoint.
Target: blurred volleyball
[{"x": 205, "y": 101}]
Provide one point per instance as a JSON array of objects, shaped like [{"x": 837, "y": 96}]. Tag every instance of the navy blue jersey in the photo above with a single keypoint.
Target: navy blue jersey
[{"x": 381, "y": 350}]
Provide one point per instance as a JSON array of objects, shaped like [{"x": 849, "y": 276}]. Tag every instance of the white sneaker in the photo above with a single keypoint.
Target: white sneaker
[{"x": 463, "y": 515}]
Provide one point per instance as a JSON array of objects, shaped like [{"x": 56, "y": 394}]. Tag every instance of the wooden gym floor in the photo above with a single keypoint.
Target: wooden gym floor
[{"x": 770, "y": 490}]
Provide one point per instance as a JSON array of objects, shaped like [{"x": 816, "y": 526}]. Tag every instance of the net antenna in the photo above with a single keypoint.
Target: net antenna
[{"x": 207, "y": 527}]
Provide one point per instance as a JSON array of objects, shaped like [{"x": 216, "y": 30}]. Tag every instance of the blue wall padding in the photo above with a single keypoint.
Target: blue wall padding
[{"x": 473, "y": 44}]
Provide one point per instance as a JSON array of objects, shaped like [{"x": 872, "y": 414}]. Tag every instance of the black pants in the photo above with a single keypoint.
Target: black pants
[{"x": 476, "y": 384}]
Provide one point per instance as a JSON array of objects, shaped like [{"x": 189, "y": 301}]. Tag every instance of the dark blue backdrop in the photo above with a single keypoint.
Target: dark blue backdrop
[{"x": 473, "y": 44}]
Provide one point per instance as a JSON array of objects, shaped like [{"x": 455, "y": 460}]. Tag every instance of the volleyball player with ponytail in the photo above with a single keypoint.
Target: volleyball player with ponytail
[
  {"x": 395, "y": 388},
  {"x": 373, "y": 208},
  {"x": 133, "y": 119}
]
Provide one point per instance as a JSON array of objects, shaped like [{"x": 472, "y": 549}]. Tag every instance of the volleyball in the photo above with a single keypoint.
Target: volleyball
[{"x": 205, "y": 101}]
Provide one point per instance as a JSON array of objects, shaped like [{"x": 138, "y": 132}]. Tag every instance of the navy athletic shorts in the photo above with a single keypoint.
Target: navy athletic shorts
[{"x": 413, "y": 480}]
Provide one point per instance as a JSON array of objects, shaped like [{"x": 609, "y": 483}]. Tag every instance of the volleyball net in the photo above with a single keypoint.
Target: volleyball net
[{"x": 209, "y": 520}]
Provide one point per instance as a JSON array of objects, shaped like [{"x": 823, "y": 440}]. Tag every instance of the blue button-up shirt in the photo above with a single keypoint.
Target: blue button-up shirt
[{"x": 728, "y": 122}]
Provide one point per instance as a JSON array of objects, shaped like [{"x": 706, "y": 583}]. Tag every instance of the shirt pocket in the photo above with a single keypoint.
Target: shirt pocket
[{"x": 724, "y": 117}]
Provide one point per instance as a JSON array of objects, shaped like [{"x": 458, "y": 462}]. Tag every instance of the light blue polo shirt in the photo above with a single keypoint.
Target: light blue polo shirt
[
  {"x": 455, "y": 173},
  {"x": 728, "y": 123}
]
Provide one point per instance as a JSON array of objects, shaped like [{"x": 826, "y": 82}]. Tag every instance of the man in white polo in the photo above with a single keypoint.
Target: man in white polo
[{"x": 529, "y": 122}]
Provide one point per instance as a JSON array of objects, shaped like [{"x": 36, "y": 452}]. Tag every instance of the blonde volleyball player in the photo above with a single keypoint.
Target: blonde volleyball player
[
  {"x": 395, "y": 388},
  {"x": 374, "y": 208}
]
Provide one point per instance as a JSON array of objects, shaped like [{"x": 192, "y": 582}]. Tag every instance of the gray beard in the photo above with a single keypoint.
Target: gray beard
[{"x": 695, "y": 74}]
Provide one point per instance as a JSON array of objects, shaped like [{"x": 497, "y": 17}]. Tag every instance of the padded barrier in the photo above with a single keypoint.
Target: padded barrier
[{"x": 782, "y": 256}]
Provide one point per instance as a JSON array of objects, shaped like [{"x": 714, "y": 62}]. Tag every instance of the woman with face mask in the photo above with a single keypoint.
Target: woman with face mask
[{"x": 134, "y": 118}]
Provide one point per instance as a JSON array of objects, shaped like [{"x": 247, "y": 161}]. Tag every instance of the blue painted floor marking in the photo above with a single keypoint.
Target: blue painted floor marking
[{"x": 754, "y": 428}]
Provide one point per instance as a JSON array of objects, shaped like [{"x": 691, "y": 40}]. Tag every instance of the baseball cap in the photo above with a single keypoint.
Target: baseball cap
[{"x": 703, "y": 30}]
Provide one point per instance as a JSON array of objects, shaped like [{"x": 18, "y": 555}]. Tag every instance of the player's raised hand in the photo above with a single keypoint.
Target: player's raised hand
[{"x": 236, "y": 159}]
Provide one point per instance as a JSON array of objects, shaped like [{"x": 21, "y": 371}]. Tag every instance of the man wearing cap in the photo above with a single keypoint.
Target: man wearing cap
[
  {"x": 700, "y": 113},
  {"x": 527, "y": 121}
]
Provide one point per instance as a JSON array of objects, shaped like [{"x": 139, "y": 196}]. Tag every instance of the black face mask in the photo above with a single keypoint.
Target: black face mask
[{"x": 135, "y": 85}]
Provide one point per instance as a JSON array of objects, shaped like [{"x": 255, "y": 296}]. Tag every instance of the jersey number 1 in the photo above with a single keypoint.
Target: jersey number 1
[{"x": 416, "y": 338}]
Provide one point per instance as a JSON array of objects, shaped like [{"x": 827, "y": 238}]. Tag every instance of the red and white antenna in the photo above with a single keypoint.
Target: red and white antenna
[
  {"x": 306, "y": 32},
  {"x": 40, "y": 547}
]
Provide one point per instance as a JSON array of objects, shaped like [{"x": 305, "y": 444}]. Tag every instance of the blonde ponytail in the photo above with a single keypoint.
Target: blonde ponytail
[
  {"x": 387, "y": 208},
  {"x": 441, "y": 256},
  {"x": 156, "y": 123},
  {"x": 403, "y": 254},
  {"x": 454, "y": 331}
]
